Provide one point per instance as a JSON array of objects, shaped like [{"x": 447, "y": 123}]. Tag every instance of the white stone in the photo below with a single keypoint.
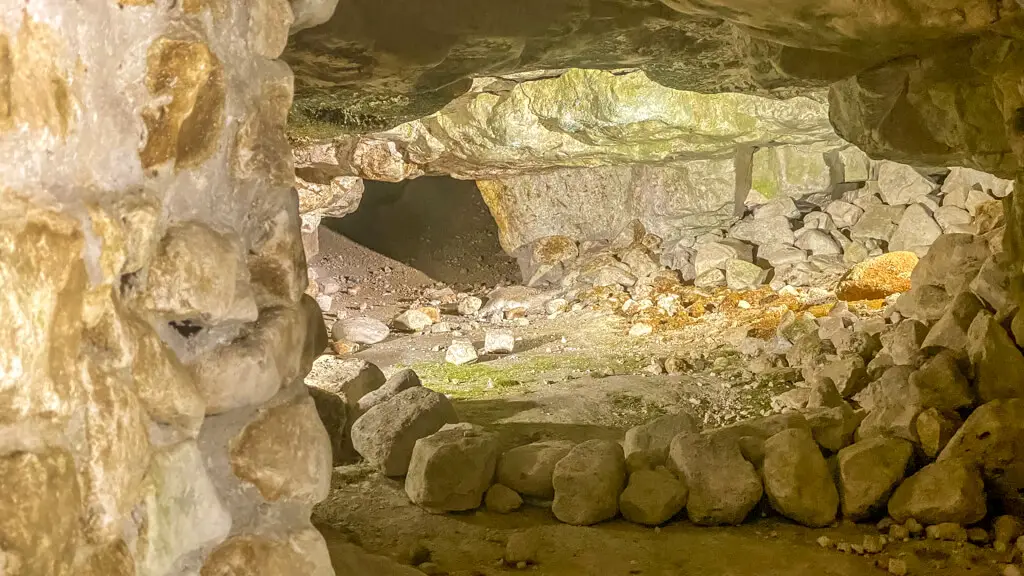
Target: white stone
[
  {"x": 412, "y": 321},
  {"x": 844, "y": 214},
  {"x": 900, "y": 184},
  {"x": 499, "y": 342},
  {"x": 460, "y": 352}
]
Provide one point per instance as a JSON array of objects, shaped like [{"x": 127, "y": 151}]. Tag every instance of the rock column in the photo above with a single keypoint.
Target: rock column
[{"x": 154, "y": 332}]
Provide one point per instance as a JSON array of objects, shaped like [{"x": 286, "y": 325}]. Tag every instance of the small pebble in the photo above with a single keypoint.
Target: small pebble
[
  {"x": 914, "y": 527},
  {"x": 824, "y": 541},
  {"x": 897, "y": 567}
]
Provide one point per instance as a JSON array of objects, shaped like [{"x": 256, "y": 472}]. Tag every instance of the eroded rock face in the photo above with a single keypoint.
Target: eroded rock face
[{"x": 147, "y": 224}]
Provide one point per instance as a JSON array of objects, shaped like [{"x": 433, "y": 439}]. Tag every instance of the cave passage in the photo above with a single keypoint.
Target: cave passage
[{"x": 438, "y": 225}]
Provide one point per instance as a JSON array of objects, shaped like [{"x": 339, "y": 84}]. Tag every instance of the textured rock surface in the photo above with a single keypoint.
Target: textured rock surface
[
  {"x": 528, "y": 469},
  {"x": 652, "y": 497},
  {"x": 655, "y": 436},
  {"x": 946, "y": 491},
  {"x": 452, "y": 468},
  {"x": 797, "y": 479},
  {"x": 724, "y": 487},
  {"x": 868, "y": 472},
  {"x": 588, "y": 482}
]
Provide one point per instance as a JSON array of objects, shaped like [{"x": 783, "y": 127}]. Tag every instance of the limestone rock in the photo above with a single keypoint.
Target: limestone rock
[
  {"x": 868, "y": 472},
  {"x": 652, "y": 497},
  {"x": 935, "y": 429},
  {"x": 939, "y": 384},
  {"x": 387, "y": 433},
  {"x": 946, "y": 491},
  {"x": 834, "y": 427},
  {"x": 183, "y": 510},
  {"x": 789, "y": 170},
  {"x": 351, "y": 560},
  {"x": 818, "y": 242},
  {"x": 879, "y": 222},
  {"x": 325, "y": 192},
  {"x": 39, "y": 511},
  {"x": 844, "y": 214},
  {"x": 992, "y": 438},
  {"x": 951, "y": 218},
  {"x": 892, "y": 387},
  {"x": 962, "y": 180},
  {"x": 412, "y": 321},
  {"x": 336, "y": 387},
  {"x": 451, "y": 469},
  {"x": 499, "y": 342},
  {"x": 923, "y": 303},
  {"x": 460, "y": 352},
  {"x": 772, "y": 230},
  {"x": 285, "y": 453},
  {"x": 878, "y": 277},
  {"x": 397, "y": 383},
  {"x": 781, "y": 206},
  {"x": 469, "y": 306},
  {"x": 360, "y": 329},
  {"x": 724, "y": 487},
  {"x": 950, "y": 332},
  {"x": 797, "y": 479},
  {"x": 197, "y": 274},
  {"x": 714, "y": 255},
  {"x": 997, "y": 283},
  {"x": 847, "y": 373},
  {"x": 528, "y": 469},
  {"x": 780, "y": 254},
  {"x": 713, "y": 278},
  {"x": 998, "y": 363},
  {"x": 953, "y": 262},
  {"x": 900, "y": 184},
  {"x": 816, "y": 221},
  {"x": 523, "y": 546},
  {"x": 655, "y": 436},
  {"x": 588, "y": 482},
  {"x": 502, "y": 499},
  {"x": 904, "y": 343},
  {"x": 256, "y": 555}
]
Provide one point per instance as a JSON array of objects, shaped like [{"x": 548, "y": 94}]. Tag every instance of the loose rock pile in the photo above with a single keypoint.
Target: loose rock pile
[{"x": 914, "y": 415}]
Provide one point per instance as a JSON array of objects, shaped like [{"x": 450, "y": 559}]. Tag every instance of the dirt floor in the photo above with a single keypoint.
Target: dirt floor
[{"x": 577, "y": 376}]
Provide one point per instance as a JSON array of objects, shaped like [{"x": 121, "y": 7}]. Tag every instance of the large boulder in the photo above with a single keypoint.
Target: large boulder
[
  {"x": 452, "y": 468},
  {"x": 950, "y": 332},
  {"x": 998, "y": 282},
  {"x": 724, "y": 487},
  {"x": 940, "y": 384},
  {"x": 386, "y": 435},
  {"x": 992, "y": 438},
  {"x": 360, "y": 329},
  {"x": 952, "y": 262},
  {"x": 588, "y": 482},
  {"x": 916, "y": 231},
  {"x": 899, "y": 184},
  {"x": 935, "y": 429},
  {"x": 336, "y": 386},
  {"x": 653, "y": 497},
  {"x": 946, "y": 491},
  {"x": 397, "y": 383},
  {"x": 868, "y": 472},
  {"x": 797, "y": 479},
  {"x": 761, "y": 231},
  {"x": 998, "y": 363},
  {"x": 528, "y": 469},
  {"x": 654, "y": 437}
]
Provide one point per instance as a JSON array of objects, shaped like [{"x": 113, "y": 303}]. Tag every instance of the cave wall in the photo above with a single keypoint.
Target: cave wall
[{"x": 155, "y": 331}]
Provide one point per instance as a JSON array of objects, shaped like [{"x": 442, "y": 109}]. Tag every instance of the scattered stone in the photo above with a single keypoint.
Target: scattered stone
[
  {"x": 945, "y": 491},
  {"x": 998, "y": 363},
  {"x": 977, "y": 535},
  {"x": 502, "y": 499},
  {"x": 387, "y": 433},
  {"x": 868, "y": 472},
  {"x": 713, "y": 278},
  {"x": 997, "y": 282},
  {"x": 900, "y": 184},
  {"x": 336, "y": 387},
  {"x": 877, "y": 223},
  {"x": 834, "y": 428},
  {"x": 460, "y": 352},
  {"x": 916, "y": 232},
  {"x": 325, "y": 302},
  {"x": 939, "y": 384},
  {"x": 742, "y": 275},
  {"x": 949, "y": 531},
  {"x": 795, "y": 399},
  {"x": 950, "y": 332},
  {"x": 823, "y": 394},
  {"x": 782, "y": 206},
  {"x": 656, "y": 436},
  {"x": 451, "y": 469},
  {"x": 935, "y": 429},
  {"x": 904, "y": 343},
  {"x": 588, "y": 482},
  {"x": 818, "y": 242},
  {"x": 360, "y": 329},
  {"x": 724, "y": 487},
  {"x": 528, "y": 469},
  {"x": 556, "y": 306},
  {"x": 952, "y": 218},
  {"x": 797, "y": 479},
  {"x": 780, "y": 254},
  {"x": 761, "y": 231},
  {"x": 652, "y": 497},
  {"x": 412, "y": 321},
  {"x": 397, "y": 383},
  {"x": 499, "y": 341},
  {"x": 847, "y": 373},
  {"x": 469, "y": 306},
  {"x": 522, "y": 547},
  {"x": 640, "y": 329},
  {"x": 1007, "y": 529},
  {"x": 714, "y": 255},
  {"x": 897, "y": 567},
  {"x": 923, "y": 303},
  {"x": 953, "y": 262}
]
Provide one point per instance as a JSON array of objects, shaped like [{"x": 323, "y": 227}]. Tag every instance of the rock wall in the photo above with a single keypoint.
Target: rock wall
[{"x": 155, "y": 331}]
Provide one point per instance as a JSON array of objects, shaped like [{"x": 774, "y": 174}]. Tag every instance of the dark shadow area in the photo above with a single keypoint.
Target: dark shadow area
[{"x": 438, "y": 225}]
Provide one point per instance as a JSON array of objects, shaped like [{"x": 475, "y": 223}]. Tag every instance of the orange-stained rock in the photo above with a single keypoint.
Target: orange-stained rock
[{"x": 878, "y": 277}]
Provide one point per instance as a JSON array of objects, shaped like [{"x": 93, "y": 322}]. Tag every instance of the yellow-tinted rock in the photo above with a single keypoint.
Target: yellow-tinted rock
[
  {"x": 35, "y": 92},
  {"x": 269, "y": 21},
  {"x": 44, "y": 280},
  {"x": 194, "y": 274},
  {"x": 285, "y": 453},
  {"x": 879, "y": 277},
  {"x": 110, "y": 560},
  {"x": 255, "y": 556},
  {"x": 276, "y": 261},
  {"x": 261, "y": 148},
  {"x": 187, "y": 127},
  {"x": 140, "y": 214},
  {"x": 39, "y": 513},
  {"x": 116, "y": 454}
]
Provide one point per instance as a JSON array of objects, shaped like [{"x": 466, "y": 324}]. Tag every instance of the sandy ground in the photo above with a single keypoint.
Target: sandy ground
[{"x": 577, "y": 377}]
